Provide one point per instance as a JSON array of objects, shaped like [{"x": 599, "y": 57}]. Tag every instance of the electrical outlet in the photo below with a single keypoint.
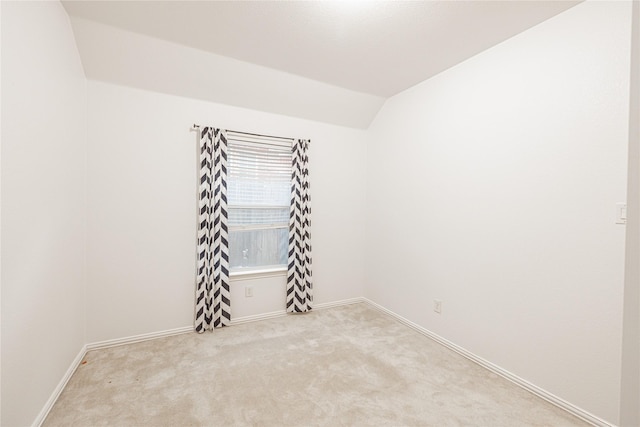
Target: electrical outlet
[
  {"x": 248, "y": 291},
  {"x": 437, "y": 306}
]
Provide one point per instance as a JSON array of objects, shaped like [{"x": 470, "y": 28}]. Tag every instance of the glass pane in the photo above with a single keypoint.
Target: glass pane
[
  {"x": 258, "y": 248},
  {"x": 250, "y": 216}
]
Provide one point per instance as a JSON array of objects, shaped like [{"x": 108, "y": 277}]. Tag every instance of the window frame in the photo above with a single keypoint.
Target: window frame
[{"x": 245, "y": 273}]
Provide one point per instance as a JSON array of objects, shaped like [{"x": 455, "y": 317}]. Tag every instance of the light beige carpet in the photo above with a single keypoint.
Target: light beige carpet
[{"x": 345, "y": 366}]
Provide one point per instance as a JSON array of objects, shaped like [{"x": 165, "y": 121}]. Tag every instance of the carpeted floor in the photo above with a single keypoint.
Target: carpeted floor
[{"x": 345, "y": 366}]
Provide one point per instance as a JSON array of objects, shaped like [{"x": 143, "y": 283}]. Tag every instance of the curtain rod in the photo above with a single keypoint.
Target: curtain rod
[{"x": 196, "y": 127}]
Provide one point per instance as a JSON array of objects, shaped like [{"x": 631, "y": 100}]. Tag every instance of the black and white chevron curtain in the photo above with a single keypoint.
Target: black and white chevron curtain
[
  {"x": 299, "y": 281},
  {"x": 213, "y": 306},
  {"x": 212, "y": 291}
]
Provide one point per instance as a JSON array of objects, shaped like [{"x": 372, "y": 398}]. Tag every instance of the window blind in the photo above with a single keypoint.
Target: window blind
[{"x": 258, "y": 195}]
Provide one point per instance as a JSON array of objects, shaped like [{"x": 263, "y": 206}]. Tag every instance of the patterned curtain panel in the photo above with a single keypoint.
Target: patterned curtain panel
[
  {"x": 299, "y": 283},
  {"x": 212, "y": 292}
]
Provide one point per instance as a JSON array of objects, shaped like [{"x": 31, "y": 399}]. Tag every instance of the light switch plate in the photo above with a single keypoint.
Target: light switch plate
[{"x": 621, "y": 213}]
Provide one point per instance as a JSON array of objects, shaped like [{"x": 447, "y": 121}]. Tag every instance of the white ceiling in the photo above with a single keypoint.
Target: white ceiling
[{"x": 375, "y": 48}]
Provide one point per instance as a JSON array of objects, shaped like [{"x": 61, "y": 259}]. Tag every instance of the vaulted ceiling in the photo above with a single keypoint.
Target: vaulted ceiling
[{"x": 332, "y": 61}]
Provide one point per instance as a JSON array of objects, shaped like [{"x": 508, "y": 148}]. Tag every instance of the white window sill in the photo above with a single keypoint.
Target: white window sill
[{"x": 257, "y": 274}]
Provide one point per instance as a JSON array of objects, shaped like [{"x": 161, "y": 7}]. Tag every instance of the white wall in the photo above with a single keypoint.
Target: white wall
[
  {"x": 492, "y": 187},
  {"x": 43, "y": 205},
  {"x": 630, "y": 375},
  {"x": 142, "y": 178},
  {"x": 0, "y": 215}
]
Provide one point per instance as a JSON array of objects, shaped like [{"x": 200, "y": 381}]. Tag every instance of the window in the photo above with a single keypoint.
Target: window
[{"x": 258, "y": 197}]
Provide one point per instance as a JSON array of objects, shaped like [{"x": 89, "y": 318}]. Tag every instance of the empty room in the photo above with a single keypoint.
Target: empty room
[{"x": 320, "y": 213}]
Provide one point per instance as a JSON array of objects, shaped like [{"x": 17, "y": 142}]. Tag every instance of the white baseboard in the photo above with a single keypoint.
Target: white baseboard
[
  {"x": 339, "y": 303},
  {"x": 532, "y": 388},
  {"x": 186, "y": 329},
  {"x": 139, "y": 338},
  {"x": 257, "y": 317},
  {"x": 61, "y": 385},
  {"x": 281, "y": 313}
]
